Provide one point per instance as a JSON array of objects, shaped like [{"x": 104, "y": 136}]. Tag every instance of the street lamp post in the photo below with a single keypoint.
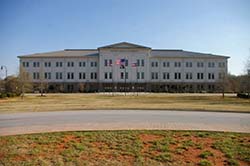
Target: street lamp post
[{"x": 6, "y": 70}]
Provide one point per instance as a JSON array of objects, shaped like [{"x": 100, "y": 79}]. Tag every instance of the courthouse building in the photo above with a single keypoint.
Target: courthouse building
[{"x": 125, "y": 67}]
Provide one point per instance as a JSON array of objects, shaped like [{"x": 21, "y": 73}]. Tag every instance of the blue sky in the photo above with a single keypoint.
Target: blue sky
[{"x": 211, "y": 26}]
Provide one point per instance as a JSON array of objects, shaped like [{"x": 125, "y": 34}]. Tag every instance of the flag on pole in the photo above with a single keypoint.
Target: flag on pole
[
  {"x": 121, "y": 62},
  {"x": 134, "y": 64}
]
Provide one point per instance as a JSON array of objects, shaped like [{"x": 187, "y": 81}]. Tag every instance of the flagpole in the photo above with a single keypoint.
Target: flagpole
[
  {"x": 136, "y": 80},
  {"x": 125, "y": 79},
  {"x": 112, "y": 80}
]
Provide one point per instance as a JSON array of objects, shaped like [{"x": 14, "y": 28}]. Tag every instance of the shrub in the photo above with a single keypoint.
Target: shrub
[
  {"x": 204, "y": 162},
  {"x": 205, "y": 154}
]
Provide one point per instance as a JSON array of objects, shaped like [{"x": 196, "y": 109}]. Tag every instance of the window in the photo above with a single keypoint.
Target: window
[
  {"x": 189, "y": 76},
  {"x": 47, "y": 75},
  {"x": 211, "y": 64},
  {"x": 166, "y": 64},
  {"x": 59, "y": 64},
  {"x": 122, "y": 75},
  {"x": 105, "y": 62},
  {"x": 177, "y": 76},
  {"x": 70, "y": 76},
  {"x": 70, "y": 64},
  {"x": 105, "y": 75},
  {"x": 82, "y": 76},
  {"x": 189, "y": 64},
  {"x": 142, "y": 75},
  {"x": 58, "y": 75},
  {"x": 200, "y": 76},
  {"x": 138, "y": 75},
  {"x": 221, "y": 64},
  {"x": 36, "y": 64},
  {"x": 36, "y": 76},
  {"x": 93, "y": 75},
  {"x": 93, "y": 64},
  {"x": 110, "y": 75},
  {"x": 154, "y": 75},
  {"x": 154, "y": 64},
  {"x": 126, "y": 62},
  {"x": 166, "y": 76},
  {"x": 200, "y": 64},
  {"x": 82, "y": 64},
  {"x": 110, "y": 62},
  {"x": 138, "y": 62},
  {"x": 47, "y": 64},
  {"x": 25, "y": 64},
  {"x": 142, "y": 62},
  {"x": 177, "y": 64},
  {"x": 211, "y": 76},
  {"x": 126, "y": 75}
]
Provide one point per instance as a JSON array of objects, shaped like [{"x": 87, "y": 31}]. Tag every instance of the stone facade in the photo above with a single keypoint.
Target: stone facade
[{"x": 92, "y": 70}]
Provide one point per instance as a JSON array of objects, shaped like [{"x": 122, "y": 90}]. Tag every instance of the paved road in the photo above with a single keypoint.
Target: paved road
[{"x": 21, "y": 123}]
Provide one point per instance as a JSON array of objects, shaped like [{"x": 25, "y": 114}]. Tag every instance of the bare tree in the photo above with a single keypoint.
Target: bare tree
[
  {"x": 24, "y": 82},
  {"x": 42, "y": 82}
]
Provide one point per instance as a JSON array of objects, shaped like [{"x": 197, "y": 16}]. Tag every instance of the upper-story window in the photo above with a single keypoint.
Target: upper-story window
[
  {"x": 59, "y": 75},
  {"x": 70, "y": 76},
  {"x": 177, "y": 64},
  {"x": 140, "y": 62},
  {"x": 211, "y": 76},
  {"x": 221, "y": 64},
  {"x": 36, "y": 76},
  {"x": 200, "y": 76},
  {"x": 189, "y": 64},
  {"x": 211, "y": 64},
  {"x": 93, "y": 64},
  {"x": 70, "y": 64},
  {"x": 47, "y": 64},
  {"x": 82, "y": 76},
  {"x": 154, "y": 75},
  {"x": 47, "y": 75},
  {"x": 82, "y": 64},
  {"x": 189, "y": 76},
  {"x": 59, "y": 64},
  {"x": 126, "y": 62},
  {"x": 108, "y": 62},
  {"x": 154, "y": 64},
  {"x": 93, "y": 75},
  {"x": 36, "y": 64},
  {"x": 200, "y": 64},
  {"x": 177, "y": 76},
  {"x": 166, "y": 64},
  {"x": 25, "y": 64},
  {"x": 166, "y": 76}
]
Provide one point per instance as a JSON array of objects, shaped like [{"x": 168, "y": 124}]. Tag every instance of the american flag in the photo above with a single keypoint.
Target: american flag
[
  {"x": 134, "y": 64},
  {"x": 120, "y": 61}
]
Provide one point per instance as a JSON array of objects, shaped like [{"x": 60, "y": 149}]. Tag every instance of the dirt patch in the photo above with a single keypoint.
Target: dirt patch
[
  {"x": 146, "y": 139},
  {"x": 190, "y": 154}
]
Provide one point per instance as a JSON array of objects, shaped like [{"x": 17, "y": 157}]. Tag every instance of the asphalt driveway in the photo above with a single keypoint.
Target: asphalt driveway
[{"x": 24, "y": 123}]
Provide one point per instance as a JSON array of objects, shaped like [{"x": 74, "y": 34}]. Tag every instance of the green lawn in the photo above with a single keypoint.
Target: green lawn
[
  {"x": 60, "y": 102},
  {"x": 126, "y": 148}
]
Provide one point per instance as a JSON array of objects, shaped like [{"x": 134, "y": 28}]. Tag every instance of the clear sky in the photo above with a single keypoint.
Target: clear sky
[{"x": 211, "y": 26}]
